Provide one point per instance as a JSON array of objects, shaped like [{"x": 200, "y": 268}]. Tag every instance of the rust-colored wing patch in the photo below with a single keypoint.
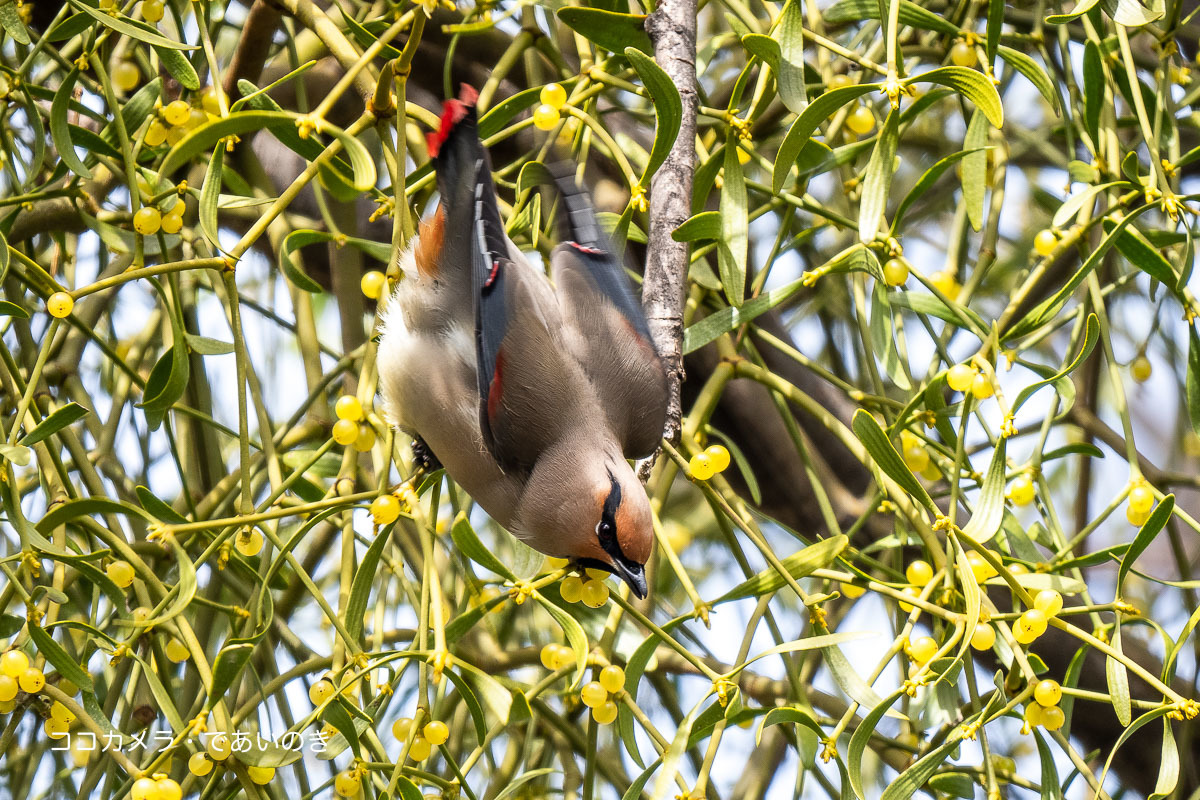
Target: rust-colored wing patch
[{"x": 429, "y": 245}]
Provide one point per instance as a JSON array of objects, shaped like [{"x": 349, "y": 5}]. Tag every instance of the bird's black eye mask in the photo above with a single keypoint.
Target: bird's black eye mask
[{"x": 606, "y": 531}]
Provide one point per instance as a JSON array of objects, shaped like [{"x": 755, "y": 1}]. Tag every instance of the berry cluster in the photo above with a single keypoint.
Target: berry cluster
[
  {"x": 351, "y": 428},
  {"x": 965, "y": 377},
  {"x": 595, "y": 694},
  {"x": 592, "y": 592},
  {"x": 553, "y": 97},
  {"x": 1044, "y": 710},
  {"x": 713, "y": 460}
]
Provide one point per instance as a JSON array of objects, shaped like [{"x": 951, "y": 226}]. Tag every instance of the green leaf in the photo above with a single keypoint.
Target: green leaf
[
  {"x": 974, "y": 170},
  {"x": 1168, "y": 765},
  {"x": 989, "y": 509},
  {"x": 764, "y": 48},
  {"x": 913, "y": 778},
  {"x": 203, "y": 345},
  {"x": 924, "y": 184},
  {"x": 177, "y": 64},
  {"x": 705, "y": 225},
  {"x": 1117, "y": 676},
  {"x": 338, "y": 714},
  {"x": 10, "y": 20},
  {"x": 503, "y": 112},
  {"x": 1051, "y": 790},
  {"x": 883, "y": 452},
  {"x": 673, "y": 755},
  {"x": 1077, "y": 202},
  {"x": 971, "y": 84},
  {"x": 1081, "y": 8},
  {"x": 210, "y": 196},
  {"x": 8, "y": 309},
  {"x": 798, "y": 645},
  {"x": 294, "y": 241},
  {"x": 167, "y": 380},
  {"x": 733, "y": 246},
  {"x": 808, "y": 730},
  {"x": 127, "y": 26},
  {"x": 1025, "y": 65},
  {"x": 611, "y": 30},
  {"x": 364, "y": 576},
  {"x": 10, "y": 624},
  {"x": 498, "y": 700},
  {"x": 862, "y": 735},
  {"x": 1037, "y": 581},
  {"x": 1093, "y": 90},
  {"x": 1091, "y": 335},
  {"x": 790, "y": 73},
  {"x": 1130, "y": 13},
  {"x": 802, "y": 129},
  {"x": 228, "y": 665},
  {"x": 56, "y": 655},
  {"x": 799, "y": 564},
  {"x": 574, "y": 633},
  {"x": 159, "y": 508},
  {"x": 52, "y": 424},
  {"x": 1192, "y": 382},
  {"x": 1139, "y": 252},
  {"x": 882, "y": 338},
  {"x": 73, "y": 509},
  {"x": 668, "y": 108},
  {"x": 1145, "y": 535},
  {"x": 878, "y": 179},
  {"x": 467, "y": 541},
  {"x": 932, "y": 305},
  {"x": 60, "y": 131},
  {"x": 206, "y": 136},
  {"x": 911, "y": 14}
]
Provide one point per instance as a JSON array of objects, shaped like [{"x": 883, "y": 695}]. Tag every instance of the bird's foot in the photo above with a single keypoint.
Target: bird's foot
[{"x": 423, "y": 456}]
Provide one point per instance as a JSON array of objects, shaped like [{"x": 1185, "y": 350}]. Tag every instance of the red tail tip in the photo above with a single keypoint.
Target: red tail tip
[{"x": 453, "y": 112}]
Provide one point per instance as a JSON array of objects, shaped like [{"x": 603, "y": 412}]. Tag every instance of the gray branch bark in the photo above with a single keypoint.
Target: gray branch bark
[{"x": 672, "y": 29}]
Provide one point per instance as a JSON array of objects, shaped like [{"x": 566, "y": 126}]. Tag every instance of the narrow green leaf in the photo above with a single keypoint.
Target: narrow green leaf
[
  {"x": 764, "y": 48},
  {"x": 1077, "y": 202},
  {"x": 799, "y": 564},
  {"x": 989, "y": 509},
  {"x": 611, "y": 30},
  {"x": 882, "y": 339},
  {"x": 8, "y": 309},
  {"x": 668, "y": 108},
  {"x": 10, "y": 624},
  {"x": 883, "y": 452},
  {"x": 167, "y": 380},
  {"x": 1093, "y": 90},
  {"x": 206, "y": 346},
  {"x": 467, "y": 541},
  {"x": 1145, "y": 535},
  {"x": 160, "y": 509},
  {"x": 862, "y": 735},
  {"x": 210, "y": 196},
  {"x": 798, "y": 645},
  {"x": 911, "y": 14},
  {"x": 10, "y": 20},
  {"x": 1139, "y": 252},
  {"x": 1130, "y": 13},
  {"x": 971, "y": 84},
  {"x": 1091, "y": 335},
  {"x": 1192, "y": 381},
  {"x": 974, "y": 169},
  {"x": 924, "y": 184},
  {"x": 995, "y": 25},
  {"x": 127, "y": 26},
  {"x": 338, "y": 714},
  {"x": 52, "y": 424},
  {"x": 705, "y": 225},
  {"x": 60, "y": 131},
  {"x": 574, "y": 633},
  {"x": 1117, "y": 675},
  {"x": 790, "y": 34},
  {"x": 877, "y": 182},
  {"x": 913, "y": 778},
  {"x": 73, "y": 509},
  {"x": 673, "y": 755},
  {"x": 733, "y": 245},
  {"x": 360, "y": 589},
  {"x": 1081, "y": 8},
  {"x": 932, "y": 305},
  {"x": 177, "y": 64},
  {"x": 228, "y": 665},
  {"x": 802, "y": 129},
  {"x": 1168, "y": 765},
  {"x": 56, "y": 655},
  {"x": 1051, "y": 790}
]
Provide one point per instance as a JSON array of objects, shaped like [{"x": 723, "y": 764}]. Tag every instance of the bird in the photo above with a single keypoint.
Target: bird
[{"x": 534, "y": 393}]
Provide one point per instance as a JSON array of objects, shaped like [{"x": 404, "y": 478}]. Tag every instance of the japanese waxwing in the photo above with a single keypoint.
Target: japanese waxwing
[{"x": 531, "y": 394}]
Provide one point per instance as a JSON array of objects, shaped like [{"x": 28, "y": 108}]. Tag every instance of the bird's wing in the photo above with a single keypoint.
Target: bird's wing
[{"x": 610, "y": 336}]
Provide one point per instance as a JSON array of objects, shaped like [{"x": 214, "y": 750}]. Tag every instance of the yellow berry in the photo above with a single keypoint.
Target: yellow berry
[
  {"x": 141, "y": 614},
  {"x": 365, "y": 439},
  {"x": 261, "y": 775},
  {"x": 177, "y": 651},
  {"x": 593, "y": 694},
  {"x": 195, "y": 119},
  {"x": 851, "y": 590},
  {"x": 144, "y": 789},
  {"x": 980, "y": 568},
  {"x": 61, "y": 713},
  {"x": 919, "y": 573},
  {"x": 597, "y": 574},
  {"x": 1034, "y": 620},
  {"x": 121, "y": 573},
  {"x": 916, "y": 457},
  {"x": 840, "y": 81},
  {"x": 218, "y": 747},
  {"x": 348, "y": 407},
  {"x": 718, "y": 457},
  {"x": 126, "y": 76},
  {"x": 177, "y": 112},
  {"x": 571, "y": 589},
  {"x": 147, "y": 221},
  {"x": 1047, "y": 692},
  {"x": 594, "y": 593},
  {"x": 700, "y": 467},
  {"x": 372, "y": 284},
  {"x": 861, "y": 120},
  {"x": 1017, "y": 568},
  {"x": 420, "y": 749},
  {"x": 605, "y": 713},
  {"x": 945, "y": 282},
  {"x": 564, "y": 656},
  {"x": 960, "y": 376},
  {"x": 209, "y": 100},
  {"x": 385, "y": 509},
  {"x": 922, "y": 649},
  {"x": 56, "y": 729},
  {"x": 545, "y": 117},
  {"x": 1141, "y": 499},
  {"x": 612, "y": 678},
  {"x": 1135, "y": 517},
  {"x": 172, "y": 223},
  {"x": 1045, "y": 242},
  {"x": 1053, "y": 718},
  {"x": 175, "y": 135},
  {"x": 982, "y": 387},
  {"x": 984, "y": 637},
  {"x": 168, "y": 789},
  {"x": 1033, "y": 714},
  {"x": 156, "y": 134},
  {"x": 436, "y": 732},
  {"x": 347, "y": 783},
  {"x": 401, "y": 728},
  {"x": 345, "y": 431},
  {"x": 549, "y": 656},
  {"x": 32, "y": 680},
  {"x": 1141, "y": 369},
  {"x": 199, "y": 764},
  {"x": 59, "y": 304},
  {"x": 152, "y": 10},
  {"x": 910, "y": 591},
  {"x": 962, "y": 55},
  {"x": 249, "y": 542},
  {"x": 321, "y": 691},
  {"x": 1049, "y": 602},
  {"x": 8, "y": 688},
  {"x": 553, "y": 95},
  {"x": 1021, "y": 491},
  {"x": 895, "y": 272}
]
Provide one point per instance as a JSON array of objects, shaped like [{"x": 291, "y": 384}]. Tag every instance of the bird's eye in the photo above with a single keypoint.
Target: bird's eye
[{"x": 606, "y": 532}]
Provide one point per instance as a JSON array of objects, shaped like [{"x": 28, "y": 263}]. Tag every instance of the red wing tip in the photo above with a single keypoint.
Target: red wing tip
[{"x": 453, "y": 112}]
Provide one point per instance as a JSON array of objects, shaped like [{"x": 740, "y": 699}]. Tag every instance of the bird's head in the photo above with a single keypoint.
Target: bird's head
[{"x": 592, "y": 510}]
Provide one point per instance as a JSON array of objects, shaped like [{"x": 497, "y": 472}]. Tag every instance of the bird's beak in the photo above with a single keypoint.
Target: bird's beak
[{"x": 634, "y": 575}]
